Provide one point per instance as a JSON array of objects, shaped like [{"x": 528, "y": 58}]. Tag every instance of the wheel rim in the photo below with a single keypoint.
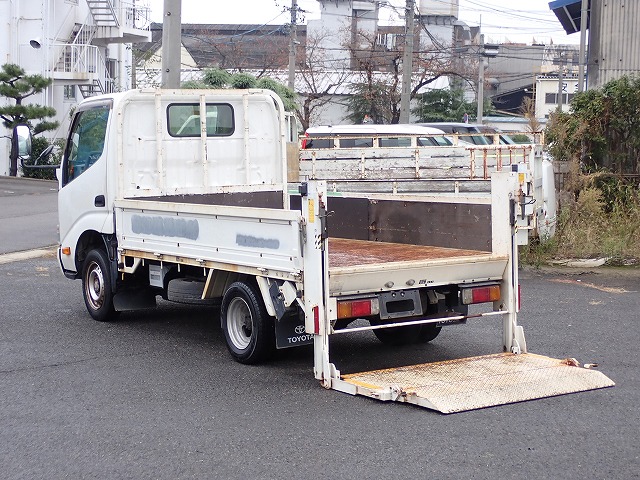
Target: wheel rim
[
  {"x": 239, "y": 323},
  {"x": 94, "y": 286}
]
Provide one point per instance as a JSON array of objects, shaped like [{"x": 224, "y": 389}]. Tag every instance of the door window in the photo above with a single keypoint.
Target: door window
[{"x": 86, "y": 141}]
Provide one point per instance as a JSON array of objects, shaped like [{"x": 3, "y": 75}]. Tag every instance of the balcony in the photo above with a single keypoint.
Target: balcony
[
  {"x": 82, "y": 65},
  {"x": 125, "y": 22}
]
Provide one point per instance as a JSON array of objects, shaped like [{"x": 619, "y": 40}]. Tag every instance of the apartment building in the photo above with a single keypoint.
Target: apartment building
[{"x": 83, "y": 45}]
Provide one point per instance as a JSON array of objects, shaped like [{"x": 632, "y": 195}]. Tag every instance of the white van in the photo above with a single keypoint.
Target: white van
[{"x": 368, "y": 135}]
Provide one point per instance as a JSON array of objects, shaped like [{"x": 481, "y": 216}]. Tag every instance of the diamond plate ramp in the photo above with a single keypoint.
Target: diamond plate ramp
[{"x": 477, "y": 382}]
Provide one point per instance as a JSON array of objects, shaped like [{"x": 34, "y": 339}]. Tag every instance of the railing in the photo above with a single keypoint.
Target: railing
[
  {"x": 80, "y": 58},
  {"x": 134, "y": 15},
  {"x": 84, "y": 59}
]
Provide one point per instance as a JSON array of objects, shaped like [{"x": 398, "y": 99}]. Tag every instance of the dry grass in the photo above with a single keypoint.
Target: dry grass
[{"x": 601, "y": 222}]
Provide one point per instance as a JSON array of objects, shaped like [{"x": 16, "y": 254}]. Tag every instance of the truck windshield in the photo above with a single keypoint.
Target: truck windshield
[{"x": 86, "y": 141}]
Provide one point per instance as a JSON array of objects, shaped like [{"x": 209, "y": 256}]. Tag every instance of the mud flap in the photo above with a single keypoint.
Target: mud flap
[
  {"x": 477, "y": 382},
  {"x": 290, "y": 332}
]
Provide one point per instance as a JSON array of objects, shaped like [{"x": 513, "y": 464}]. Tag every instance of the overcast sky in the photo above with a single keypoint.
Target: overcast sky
[{"x": 501, "y": 20}]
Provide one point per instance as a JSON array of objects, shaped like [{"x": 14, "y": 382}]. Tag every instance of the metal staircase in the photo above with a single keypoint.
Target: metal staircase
[
  {"x": 81, "y": 61},
  {"x": 91, "y": 89},
  {"x": 104, "y": 15}
]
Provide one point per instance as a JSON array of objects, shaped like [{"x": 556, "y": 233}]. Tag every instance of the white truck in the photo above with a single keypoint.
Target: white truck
[{"x": 151, "y": 205}]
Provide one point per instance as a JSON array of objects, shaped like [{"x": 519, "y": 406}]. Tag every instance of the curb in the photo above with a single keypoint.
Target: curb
[{"x": 27, "y": 254}]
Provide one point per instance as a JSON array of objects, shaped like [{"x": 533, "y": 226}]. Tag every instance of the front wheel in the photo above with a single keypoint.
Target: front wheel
[
  {"x": 248, "y": 330},
  {"x": 97, "y": 289}
]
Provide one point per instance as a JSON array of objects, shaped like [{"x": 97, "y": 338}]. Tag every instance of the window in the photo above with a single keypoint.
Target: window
[
  {"x": 86, "y": 141},
  {"x": 395, "y": 142},
  {"x": 69, "y": 92},
  {"x": 552, "y": 98},
  {"x": 317, "y": 143},
  {"x": 356, "y": 142},
  {"x": 183, "y": 120},
  {"x": 441, "y": 141}
]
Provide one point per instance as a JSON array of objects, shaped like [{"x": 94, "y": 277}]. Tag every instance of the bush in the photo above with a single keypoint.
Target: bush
[
  {"x": 194, "y": 85},
  {"x": 216, "y": 78},
  {"x": 602, "y": 131},
  {"x": 38, "y": 145},
  {"x": 287, "y": 95},
  {"x": 243, "y": 80}
]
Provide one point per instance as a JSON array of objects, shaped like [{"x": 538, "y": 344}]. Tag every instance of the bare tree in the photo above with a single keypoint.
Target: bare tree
[
  {"x": 528, "y": 110},
  {"x": 319, "y": 83},
  {"x": 381, "y": 72}
]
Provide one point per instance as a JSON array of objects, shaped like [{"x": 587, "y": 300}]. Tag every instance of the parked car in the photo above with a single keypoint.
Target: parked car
[
  {"x": 491, "y": 132},
  {"x": 370, "y": 135},
  {"x": 465, "y": 132}
]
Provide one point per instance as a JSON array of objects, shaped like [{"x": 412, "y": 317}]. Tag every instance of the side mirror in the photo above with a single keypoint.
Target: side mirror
[
  {"x": 42, "y": 158},
  {"x": 22, "y": 141}
]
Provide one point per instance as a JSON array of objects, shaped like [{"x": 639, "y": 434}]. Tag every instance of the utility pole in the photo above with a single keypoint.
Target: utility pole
[
  {"x": 560, "y": 83},
  {"x": 407, "y": 63},
  {"x": 480, "y": 100},
  {"x": 583, "y": 40},
  {"x": 171, "y": 43},
  {"x": 484, "y": 51},
  {"x": 293, "y": 41}
]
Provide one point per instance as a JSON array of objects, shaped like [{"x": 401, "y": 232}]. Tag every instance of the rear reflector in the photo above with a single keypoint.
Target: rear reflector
[
  {"x": 484, "y": 294},
  {"x": 316, "y": 320}
]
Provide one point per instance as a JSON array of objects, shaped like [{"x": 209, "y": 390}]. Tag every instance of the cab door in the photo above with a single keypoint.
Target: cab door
[{"x": 82, "y": 198}]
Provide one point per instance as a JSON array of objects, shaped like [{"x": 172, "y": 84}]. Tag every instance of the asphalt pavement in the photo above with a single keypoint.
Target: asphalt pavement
[
  {"x": 28, "y": 214},
  {"x": 155, "y": 395}
]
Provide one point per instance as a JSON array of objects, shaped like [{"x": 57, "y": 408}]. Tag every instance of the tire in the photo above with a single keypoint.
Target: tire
[
  {"x": 407, "y": 335},
  {"x": 189, "y": 291},
  {"x": 248, "y": 330},
  {"x": 96, "y": 286},
  {"x": 428, "y": 332}
]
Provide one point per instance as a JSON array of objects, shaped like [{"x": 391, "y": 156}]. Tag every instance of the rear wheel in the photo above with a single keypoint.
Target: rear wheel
[
  {"x": 248, "y": 330},
  {"x": 428, "y": 332},
  {"x": 96, "y": 286},
  {"x": 406, "y": 335}
]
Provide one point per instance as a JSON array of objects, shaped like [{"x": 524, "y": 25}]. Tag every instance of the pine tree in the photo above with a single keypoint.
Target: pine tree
[{"x": 17, "y": 85}]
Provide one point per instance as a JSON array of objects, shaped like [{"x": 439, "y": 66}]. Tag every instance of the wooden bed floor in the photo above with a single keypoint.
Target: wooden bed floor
[{"x": 349, "y": 253}]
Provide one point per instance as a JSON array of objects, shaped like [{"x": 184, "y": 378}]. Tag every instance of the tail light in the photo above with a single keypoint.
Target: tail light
[
  {"x": 483, "y": 294},
  {"x": 304, "y": 141},
  {"x": 358, "y": 308}
]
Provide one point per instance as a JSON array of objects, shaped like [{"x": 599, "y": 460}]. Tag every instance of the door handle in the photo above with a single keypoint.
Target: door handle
[{"x": 99, "y": 201}]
